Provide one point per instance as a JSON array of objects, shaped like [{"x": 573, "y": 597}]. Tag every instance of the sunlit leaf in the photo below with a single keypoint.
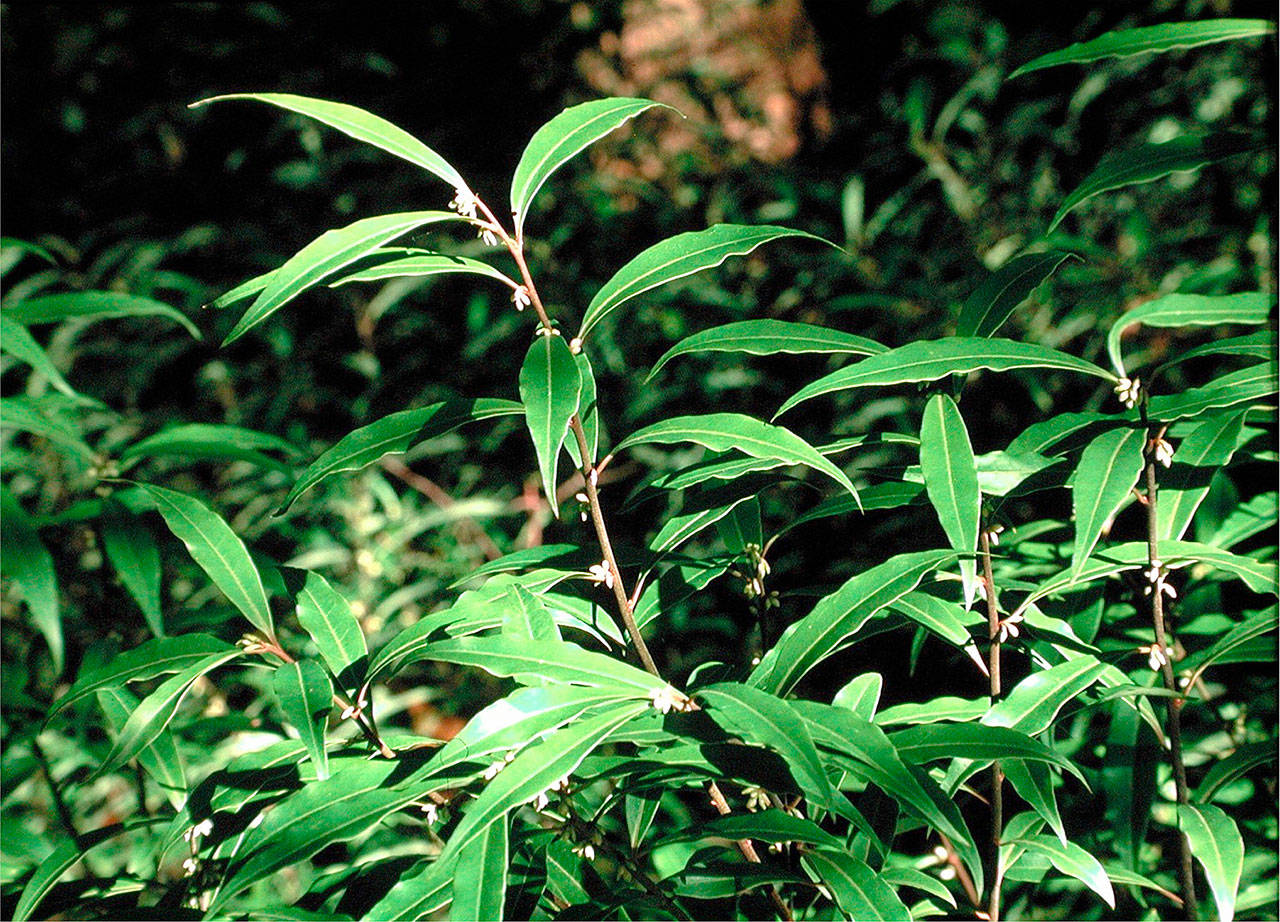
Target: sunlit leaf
[
  {"x": 1071, "y": 859},
  {"x": 770, "y": 337},
  {"x": 160, "y": 757},
  {"x": 421, "y": 265},
  {"x": 951, "y": 479},
  {"x": 1182, "y": 310},
  {"x": 1032, "y": 705},
  {"x": 306, "y": 698},
  {"x": 131, "y": 547},
  {"x": 1109, "y": 469},
  {"x": 29, "y": 564},
  {"x": 999, "y": 295},
  {"x": 480, "y": 882},
  {"x": 1205, "y": 449},
  {"x": 858, "y": 890},
  {"x": 327, "y": 617},
  {"x": 98, "y": 305},
  {"x": 1248, "y": 385},
  {"x": 550, "y": 385}
]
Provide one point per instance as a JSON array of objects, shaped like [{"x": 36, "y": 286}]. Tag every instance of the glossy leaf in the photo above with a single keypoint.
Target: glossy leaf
[
  {"x": 219, "y": 552},
  {"x": 951, "y": 480},
  {"x": 677, "y": 257},
  {"x": 770, "y": 337},
  {"x": 838, "y": 616},
  {"x": 306, "y": 697},
  {"x": 1152, "y": 161},
  {"x": 1071, "y": 859},
  {"x": 205, "y": 441},
  {"x": 761, "y": 718},
  {"x": 559, "y": 662},
  {"x": 929, "y": 360},
  {"x": 480, "y": 882},
  {"x": 1032, "y": 705},
  {"x": 133, "y": 552},
  {"x": 160, "y": 757},
  {"x": 1109, "y": 469},
  {"x": 246, "y": 289},
  {"x": 1182, "y": 310},
  {"x": 1167, "y": 36},
  {"x": 1248, "y": 385},
  {"x": 327, "y": 254},
  {"x": 359, "y": 124},
  {"x": 935, "y": 711},
  {"x": 1223, "y": 772},
  {"x": 16, "y": 341},
  {"x": 736, "y": 432},
  {"x": 1225, "y": 648},
  {"x": 1034, "y": 783},
  {"x": 419, "y": 895},
  {"x": 327, "y": 617},
  {"x": 1247, "y": 520},
  {"x": 566, "y": 135},
  {"x": 1260, "y": 346},
  {"x": 861, "y": 695},
  {"x": 1205, "y": 449},
  {"x": 28, "y": 563},
  {"x": 396, "y": 433},
  {"x": 858, "y": 890},
  {"x": 550, "y": 385},
  {"x": 764, "y": 826},
  {"x": 50, "y": 870},
  {"x": 1000, "y": 294},
  {"x": 589, "y": 413},
  {"x": 421, "y": 265},
  {"x": 98, "y": 305},
  {"x": 977, "y": 741},
  {"x": 680, "y": 528},
  {"x": 529, "y": 619}
]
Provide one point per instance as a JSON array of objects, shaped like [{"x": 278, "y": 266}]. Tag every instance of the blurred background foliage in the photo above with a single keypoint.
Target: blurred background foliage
[{"x": 885, "y": 127}]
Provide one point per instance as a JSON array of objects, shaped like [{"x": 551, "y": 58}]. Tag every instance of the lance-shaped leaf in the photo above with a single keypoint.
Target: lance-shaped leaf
[
  {"x": 420, "y": 894},
  {"x": 154, "y": 712},
  {"x": 560, "y": 139},
  {"x": 1004, "y": 290},
  {"x": 1183, "y": 310},
  {"x": 769, "y": 337},
  {"x": 480, "y": 882},
  {"x": 29, "y": 564},
  {"x": 934, "y": 711},
  {"x": 588, "y": 412},
  {"x": 858, "y": 890},
  {"x": 16, "y": 341},
  {"x": 420, "y": 265},
  {"x": 1152, "y": 161},
  {"x": 327, "y": 254},
  {"x": 677, "y": 257},
  {"x": 1234, "y": 646},
  {"x": 132, "y": 550},
  {"x": 327, "y": 617},
  {"x": 529, "y": 662},
  {"x": 1243, "y": 760},
  {"x": 529, "y": 618},
  {"x": 1071, "y": 859},
  {"x": 207, "y": 441},
  {"x": 929, "y": 360},
  {"x": 680, "y": 528},
  {"x": 98, "y": 305},
  {"x": 1167, "y": 36},
  {"x": 765, "y": 826},
  {"x": 1260, "y": 346},
  {"x": 219, "y": 552},
  {"x": 550, "y": 385},
  {"x": 1206, "y": 448},
  {"x": 306, "y": 697},
  {"x": 246, "y": 289},
  {"x": 49, "y": 417},
  {"x": 919, "y": 745},
  {"x": 839, "y": 616},
  {"x": 1033, "y": 704},
  {"x": 156, "y": 657},
  {"x": 1248, "y": 385},
  {"x": 1034, "y": 782},
  {"x": 396, "y": 433},
  {"x": 1108, "y": 470},
  {"x": 160, "y": 757},
  {"x": 951, "y": 480},
  {"x": 359, "y": 124},
  {"x": 736, "y": 432},
  {"x": 762, "y": 718}
]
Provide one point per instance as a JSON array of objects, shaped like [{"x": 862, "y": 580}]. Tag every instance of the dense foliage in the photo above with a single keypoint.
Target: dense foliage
[{"x": 864, "y": 573}]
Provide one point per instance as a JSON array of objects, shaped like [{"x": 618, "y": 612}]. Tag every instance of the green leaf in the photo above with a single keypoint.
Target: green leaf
[
  {"x": 153, "y": 714},
  {"x": 1109, "y": 469},
  {"x": 1260, "y": 345},
  {"x": 529, "y": 619},
  {"x": 160, "y": 757},
  {"x": 1222, "y": 649},
  {"x": 422, "y": 264},
  {"x": 1071, "y": 859},
  {"x": 327, "y": 254},
  {"x": 929, "y": 360},
  {"x": 838, "y": 616},
  {"x": 245, "y": 289},
  {"x": 1152, "y": 161},
  {"x": 132, "y": 550},
  {"x": 1128, "y": 781},
  {"x": 306, "y": 698},
  {"x": 1247, "y": 519},
  {"x": 1205, "y": 449},
  {"x": 589, "y": 413},
  {"x": 15, "y": 340},
  {"x": 765, "y": 826},
  {"x": 1181, "y": 310},
  {"x": 1033, "y": 704},
  {"x": 1034, "y": 783},
  {"x": 951, "y": 480},
  {"x": 934, "y": 711},
  {"x": 977, "y": 741},
  {"x": 677, "y": 257},
  {"x": 219, "y": 552},
  {"x": 858, "y": 890},
  {"x": 1248, "y": 385},
  {"x": 861, "y": 695},
  {"x": 419, "y": 895},
  {"x": 680, "y": 528},
  {"x": 561, "y": 662},
  {"x": 550, "y": 385},
  {"x": 759, "y": 717},
  {"x": 560, "y": 139},
  {"x": 640, "y": 810},
  {"x": 736, "y": 432},
  {"x": 359, "y": 124},
  {"x": 205, "y": 441},
  {"x": 396, "y": 433},
  {"x": 769, "y": 337},
  {"x": 1167, "y": 36},
  {"x": 327, "y": 617},
  {"x": 12, "y": 249},
  {"x": 158, "y": 656},
  {"x": 50, "y": 417},
  {"x": 480, "y": 882},
  {"x": 1243, "y": 760},
  {"x": 28, "y": 563},
  {"x": 1004, "y": 290},
  {"x": 99, "y": 305}
]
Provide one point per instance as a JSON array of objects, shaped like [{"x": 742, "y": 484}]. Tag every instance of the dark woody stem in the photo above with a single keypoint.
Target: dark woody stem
[{"x": 997, "y": 774}]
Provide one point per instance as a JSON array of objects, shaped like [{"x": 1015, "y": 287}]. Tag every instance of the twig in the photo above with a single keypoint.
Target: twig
[{"x": 997, "y": 774}]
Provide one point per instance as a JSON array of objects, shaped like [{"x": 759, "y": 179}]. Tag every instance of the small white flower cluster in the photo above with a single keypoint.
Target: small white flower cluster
[
  {"x": 757, "y": 798},
  {"x": 492, "y": 771},
  {"x": 251, "y": 644},
  {"x": 753, "y": 582},
  {"x": 1157, "y": 656},
  {"x": 939, "y": 856},
  {"x": 993, "y": 534},
  {"x": 191, "y": 864},
  {"x": 667, "y": 699},
  {"x": 1128, "y": 391},
  {"x": 587, "y": 848},
  {"x": 430, "y": 812},
  {"x": 1008, "y": 627},
  {"x": 546, "y": 331},
  {"x": 1157, "y": 575},
  {"x": 520, "y": 297},
  {"x": 583, "y": 505},
  {"x": 464, "y": 202},
  {"x": 601, "y": 574},
  {"x": 355, "y": 711},
  {"x": 541, "y": 802},
  {"x": 1162, "y": 451}
]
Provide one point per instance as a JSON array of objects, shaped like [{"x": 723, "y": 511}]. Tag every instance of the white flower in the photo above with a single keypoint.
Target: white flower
[
  {"x": 575, "y": 345},
  {"x": 431, "y": 813},
  {"x": 547, "y": 331},
  {"x": 757, "y": 798},
  {"x": 198, "y": 831},
  {"x": 1009, "y": 627},
  {"x": 667, "y": 699},
  {"x": 520, "y": 297},
  {"x": 600, "y": 573},
  {"x": 489, "y": 237},
  {"x": 1156, "y": 575},
  {"x": 1156, "y": 655},
  {"x": 492, "y": 771},
  {"x": 464, "y": 203},
  {"x": 189, "y": 866},
  {"x": 993, "y": 534},
  {"x": 1128, "y": 391},
  {"x": 1162, "y": 451},
  {"x": 585, "y": 850}
]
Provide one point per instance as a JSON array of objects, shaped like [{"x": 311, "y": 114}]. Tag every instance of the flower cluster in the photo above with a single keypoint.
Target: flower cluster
[
  {"x": 1157, "y": 656},
  {"x": 541, "y": 802},
  {"x": 1128, "y": 391},
  {"x": 492, "y": 771},
  {"x": 753, "y": 581},
  {"x": 520, "y": 297},
  {"x": 464, "y": 202},
  {"x": 667, "y": 699},
  {"x": 1008, "y": 627},
  {"x": 757, "y": 798},
  {"x": 601, "y": 574},
  {"x": 1157, "y": 575},
  {"x": 1162, "y": 451}
]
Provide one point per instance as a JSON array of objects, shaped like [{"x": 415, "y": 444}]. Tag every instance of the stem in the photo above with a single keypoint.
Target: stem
[
  {"x": 1173, "y": 706},
  {"x": 59, "y": 804},
  {"x": 997, "y": 774}
]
